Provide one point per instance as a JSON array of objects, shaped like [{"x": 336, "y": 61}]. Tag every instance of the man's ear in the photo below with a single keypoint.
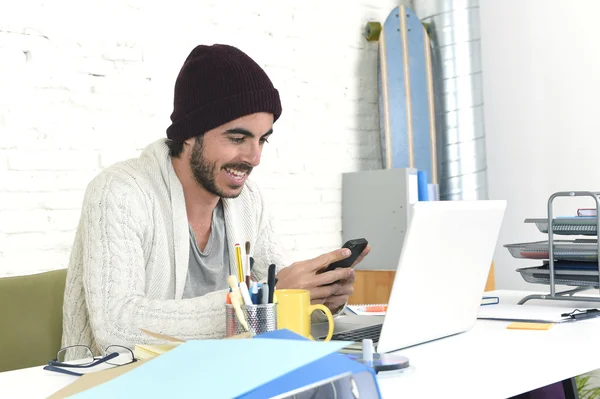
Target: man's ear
[
  {"x": 191, "y": 141},
  {"x": 188, "y": 145}
]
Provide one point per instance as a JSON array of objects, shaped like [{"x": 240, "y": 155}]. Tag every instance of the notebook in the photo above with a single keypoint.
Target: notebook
[{"x": 377, "y": 309}]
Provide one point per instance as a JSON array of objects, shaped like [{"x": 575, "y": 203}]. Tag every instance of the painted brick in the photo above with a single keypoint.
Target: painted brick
[
  {"x": 71, "y": 105},
  {"x": 35, "y": 200},
  {"x": 56, "y": 240},
  {"x": 52, "y": 160}
]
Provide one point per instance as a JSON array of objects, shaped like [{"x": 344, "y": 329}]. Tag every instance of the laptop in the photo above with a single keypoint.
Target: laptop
[{"x": 440, "y": 277}]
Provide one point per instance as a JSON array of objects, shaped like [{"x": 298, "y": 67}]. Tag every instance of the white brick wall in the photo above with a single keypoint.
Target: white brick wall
[{"x": 83, "y": 86}]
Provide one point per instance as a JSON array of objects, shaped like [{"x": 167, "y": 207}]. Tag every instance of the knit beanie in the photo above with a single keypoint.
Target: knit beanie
[{"x": 218, "y": 84}]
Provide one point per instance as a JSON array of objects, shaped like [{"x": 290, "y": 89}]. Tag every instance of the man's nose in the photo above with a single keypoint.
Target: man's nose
[{"x": 253, "y": 153}]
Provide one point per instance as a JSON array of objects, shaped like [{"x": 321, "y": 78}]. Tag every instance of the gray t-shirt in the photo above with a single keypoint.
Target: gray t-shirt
[{"x": 208, "y": 270}]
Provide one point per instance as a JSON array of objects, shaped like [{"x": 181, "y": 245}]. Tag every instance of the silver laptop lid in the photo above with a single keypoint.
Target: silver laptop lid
[{"x": 442, "y": 271}]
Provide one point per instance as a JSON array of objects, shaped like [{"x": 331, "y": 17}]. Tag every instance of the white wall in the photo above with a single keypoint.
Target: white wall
[
  {"x": 83, "y": 85},
  {"x": 541, "y": 63}
]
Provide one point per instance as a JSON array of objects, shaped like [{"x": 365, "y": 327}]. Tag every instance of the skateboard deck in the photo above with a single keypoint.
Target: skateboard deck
[
  {"x": 406, "y": 97},
  {"x": 406, "y": 102}
]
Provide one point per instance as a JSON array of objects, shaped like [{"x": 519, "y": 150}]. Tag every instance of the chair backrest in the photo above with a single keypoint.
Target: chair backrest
[{"x": 31, "y": 319}]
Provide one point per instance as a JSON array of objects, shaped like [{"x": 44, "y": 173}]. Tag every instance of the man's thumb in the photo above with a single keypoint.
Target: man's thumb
[{"x": 328, "y": 258}]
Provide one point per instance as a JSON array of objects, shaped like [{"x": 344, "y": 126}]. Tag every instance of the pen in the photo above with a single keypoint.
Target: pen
[
  {"x": 271, "y": 281},
  {"x": 259, "y": 296},
  {"x": 238, "y": 261},
  {"x": 254, "y": 293},
  {"x": 264, "y": 294},
  {"x": 582, "y": 314}
]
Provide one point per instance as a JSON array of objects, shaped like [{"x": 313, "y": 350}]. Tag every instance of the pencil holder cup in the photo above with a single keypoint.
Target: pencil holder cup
[{"x": 260, "y": 319}]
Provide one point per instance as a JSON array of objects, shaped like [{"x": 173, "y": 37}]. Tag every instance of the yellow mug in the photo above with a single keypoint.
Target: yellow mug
[{"x": 294, "y": 311}]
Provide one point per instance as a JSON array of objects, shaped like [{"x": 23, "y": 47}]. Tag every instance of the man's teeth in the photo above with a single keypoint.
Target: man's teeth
[{"x": 235, "y": 173}]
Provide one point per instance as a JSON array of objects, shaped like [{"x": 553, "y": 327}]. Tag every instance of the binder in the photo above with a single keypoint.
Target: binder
[
  {"x": 335, "y": 375},
  {"x": 289, "y": 366}
]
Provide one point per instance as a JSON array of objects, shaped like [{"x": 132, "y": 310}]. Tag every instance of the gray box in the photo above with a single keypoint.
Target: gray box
[{"x": 376, "y": 206}]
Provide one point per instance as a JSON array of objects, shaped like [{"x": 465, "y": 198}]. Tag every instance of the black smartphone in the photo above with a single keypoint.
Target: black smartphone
[{"x": 356, "y": 246}]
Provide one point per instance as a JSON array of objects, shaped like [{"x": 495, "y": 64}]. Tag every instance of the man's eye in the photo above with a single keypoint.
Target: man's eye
[
  {"x": 237, "y": 140},
  {"x": 262, "y": 141}
]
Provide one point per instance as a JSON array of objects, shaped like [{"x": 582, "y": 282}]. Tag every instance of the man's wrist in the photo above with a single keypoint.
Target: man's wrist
[{"x": 338, "y": 310}]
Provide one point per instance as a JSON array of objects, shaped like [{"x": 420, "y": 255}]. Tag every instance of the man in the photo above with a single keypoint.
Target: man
[{"x": 156, "y": 238}]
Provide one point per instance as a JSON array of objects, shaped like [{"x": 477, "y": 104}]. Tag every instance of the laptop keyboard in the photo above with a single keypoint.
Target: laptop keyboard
[{"x": 370, "y": 332}]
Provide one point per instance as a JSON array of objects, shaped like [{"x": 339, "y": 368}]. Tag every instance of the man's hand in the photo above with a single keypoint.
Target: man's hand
[
  {"x": 346, "y": 287},
  {"x": 331, "y": 288},
  {"x": 340, "y": 297},
  {"x": 305, "y": 275}
]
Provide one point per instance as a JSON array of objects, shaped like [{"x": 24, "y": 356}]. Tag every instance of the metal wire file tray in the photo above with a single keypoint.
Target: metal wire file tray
[
  {"x": 575, "y": 250},
  {"x": 578, "y": 278},
  {"x": 576, "y": 225},
  {"x": 554, "y": 251}
]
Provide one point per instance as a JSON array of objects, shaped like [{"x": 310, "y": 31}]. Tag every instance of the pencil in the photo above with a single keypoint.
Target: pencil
[{"x": 238, "y": 260}]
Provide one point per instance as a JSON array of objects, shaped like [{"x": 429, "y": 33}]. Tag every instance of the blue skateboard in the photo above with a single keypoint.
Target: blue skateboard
[{"x": 406, "y": 98}]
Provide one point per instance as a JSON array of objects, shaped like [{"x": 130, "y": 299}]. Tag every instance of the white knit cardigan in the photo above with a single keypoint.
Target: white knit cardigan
[{"x": 129, "y": 261}]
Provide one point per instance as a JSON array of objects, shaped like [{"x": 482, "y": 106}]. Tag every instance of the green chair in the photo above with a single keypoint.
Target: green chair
[{"x": 30, "y": 319}]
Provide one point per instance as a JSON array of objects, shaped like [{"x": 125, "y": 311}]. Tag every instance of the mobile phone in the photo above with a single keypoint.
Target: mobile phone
[{"x": 356, "y": 246}]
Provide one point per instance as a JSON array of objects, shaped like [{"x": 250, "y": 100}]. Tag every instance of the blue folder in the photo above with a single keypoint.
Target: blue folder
[
  {"x": 324, "y": 369},
  {"x": 269, "y": 365}
]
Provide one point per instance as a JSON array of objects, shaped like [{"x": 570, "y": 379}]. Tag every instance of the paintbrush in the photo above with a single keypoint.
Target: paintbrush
[{"x": 248, "y": 271}]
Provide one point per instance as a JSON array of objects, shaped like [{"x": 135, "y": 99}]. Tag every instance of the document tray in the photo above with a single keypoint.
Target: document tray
[
  {"x": 567, "y": 226},
  {"x": 573, "y": 250}
]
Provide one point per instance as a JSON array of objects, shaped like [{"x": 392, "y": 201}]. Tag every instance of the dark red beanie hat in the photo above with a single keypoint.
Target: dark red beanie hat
[{"x": 216, "y": 85}]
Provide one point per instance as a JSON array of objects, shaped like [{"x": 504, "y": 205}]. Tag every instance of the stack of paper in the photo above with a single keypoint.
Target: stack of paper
[
  {"x": 531, "y": 313},
  {"x": 150, "y": 351},
  {"x": 378, "y": 309}
]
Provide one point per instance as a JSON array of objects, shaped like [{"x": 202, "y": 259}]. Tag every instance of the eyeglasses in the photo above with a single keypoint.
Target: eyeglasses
[{"x": 81, "y": 356}]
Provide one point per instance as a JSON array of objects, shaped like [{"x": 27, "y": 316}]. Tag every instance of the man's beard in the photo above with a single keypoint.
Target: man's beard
[{"x": 204, "y": 171}]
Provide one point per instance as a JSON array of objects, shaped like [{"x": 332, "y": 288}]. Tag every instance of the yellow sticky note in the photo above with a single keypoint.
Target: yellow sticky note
[{"x": 529, "y": 326}]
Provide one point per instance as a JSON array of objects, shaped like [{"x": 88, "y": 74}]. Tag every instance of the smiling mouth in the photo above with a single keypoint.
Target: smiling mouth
[{"x": 236, "y": 174}]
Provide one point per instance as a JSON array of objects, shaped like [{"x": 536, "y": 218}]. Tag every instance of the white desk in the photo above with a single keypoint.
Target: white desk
[
  {"x": 491, "y": 361},
  {"x": 488, "y": 361}
]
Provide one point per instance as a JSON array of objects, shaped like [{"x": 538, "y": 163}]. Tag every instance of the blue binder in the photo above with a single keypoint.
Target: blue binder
[
  {"x": 319, "y": 375},
  {"x": 244, "y": 368}
]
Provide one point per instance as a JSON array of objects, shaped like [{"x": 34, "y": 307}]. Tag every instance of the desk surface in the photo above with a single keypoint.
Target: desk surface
[
  {"x": 493, "y": 362},
  {"x": 488, "y": 361}
]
